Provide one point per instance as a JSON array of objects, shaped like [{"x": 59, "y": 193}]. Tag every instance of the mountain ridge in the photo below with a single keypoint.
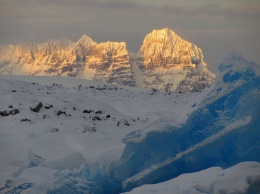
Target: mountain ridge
[{"x": 165, "y": 61}]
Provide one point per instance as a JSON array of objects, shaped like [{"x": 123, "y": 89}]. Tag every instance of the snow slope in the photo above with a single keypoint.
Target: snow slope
[
  {"x": 53, "y": 136},
  {"x": 67, "y": 148}
]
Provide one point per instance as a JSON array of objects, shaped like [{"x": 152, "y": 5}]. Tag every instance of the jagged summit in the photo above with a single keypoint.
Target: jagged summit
[
  {"x": 164, "y": 47},
  {"x": 173, "y": 63},
  {"x": 165, "y": 61},
  {"x": 163, "y": 36},
  {"x": 85, "y": 40}
]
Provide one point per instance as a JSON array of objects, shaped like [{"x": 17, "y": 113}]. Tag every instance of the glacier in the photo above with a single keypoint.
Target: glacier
[{"x": 223, "y": 130}]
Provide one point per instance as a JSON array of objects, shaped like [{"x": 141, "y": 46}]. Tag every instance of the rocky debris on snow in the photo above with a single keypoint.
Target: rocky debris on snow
[
  {"x": 88, "y": 111},
  {"x": 25, "y": 120},
  {"x": 101, "y": 87},
  {"x": 126, "y": 123},
  {"x": 96, "y": 117},
  {"x": 99, "y": 112},
  {"x": 153, "y": 91},
  {"x": 122, "y": 121},
  {"x": 48, "y": 106},
  {"x": 54, "y": 130},
  {"x": 86, "y": 128},
  {"x": 57, "y": 85},
  {"x": 45, "y": 116},
  {"x": 90, "y": 129},
  {"x": 6, "y": 113},
  {"x": 14, "y": 112},
  {"x": 36, "y": 108},
  {"x": 61, "y": 112}
]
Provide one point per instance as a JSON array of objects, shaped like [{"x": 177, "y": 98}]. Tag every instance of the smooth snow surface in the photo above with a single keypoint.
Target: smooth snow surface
[{"x": 95, "y": 138}]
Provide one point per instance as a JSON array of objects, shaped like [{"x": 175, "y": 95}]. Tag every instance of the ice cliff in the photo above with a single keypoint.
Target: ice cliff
[{"x": 223, "y": 130}]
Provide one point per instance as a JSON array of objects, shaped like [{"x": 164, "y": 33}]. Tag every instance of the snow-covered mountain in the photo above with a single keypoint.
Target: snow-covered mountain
[
  {"x": 107, "y": 62},
  {"x": 165, "y": 61},
  {"x": 170, "y": 62}
]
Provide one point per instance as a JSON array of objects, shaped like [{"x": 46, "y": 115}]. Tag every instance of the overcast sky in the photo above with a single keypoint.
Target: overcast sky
[{"x": 216, "y": 26}]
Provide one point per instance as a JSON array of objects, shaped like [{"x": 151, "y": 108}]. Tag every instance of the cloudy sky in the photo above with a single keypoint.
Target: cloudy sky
[{"x": 216, "y": 26}]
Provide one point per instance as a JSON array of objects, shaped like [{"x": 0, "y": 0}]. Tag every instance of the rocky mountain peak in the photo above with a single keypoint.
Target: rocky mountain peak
[
  {"x": 164, "y": 47},
  {"x": 85, "y": 41},
  {"x": 164, "y": 35},
  {"x": 172, "y": 63},
  {"x": 114, "y": 48},
  {"x": 165, "y": 61}
]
